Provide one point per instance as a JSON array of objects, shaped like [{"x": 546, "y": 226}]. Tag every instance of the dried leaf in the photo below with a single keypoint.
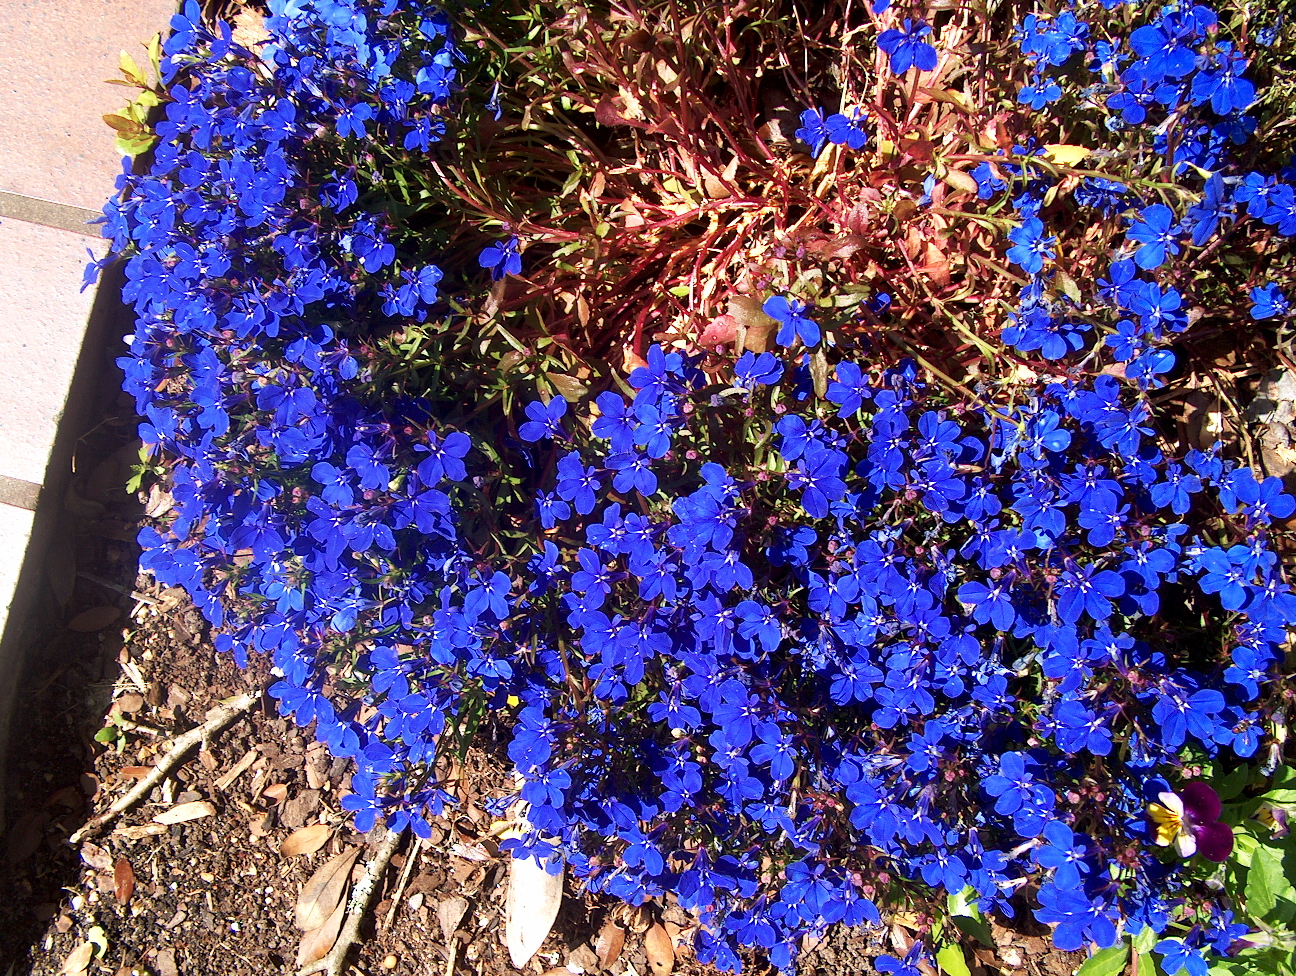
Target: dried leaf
[
  {"x": 531, "y": 907},
  {"x": 307, "y": 840},
  {"x": 570, "y": 387},
  {"x": 165, "y": 962},
  {"x": 160, "y": 502},
  {"x": 78, "y": 960},
  {"x": 184, "y": 812},
  {"x": 276, "y": 793},
  {"x": 819, "y": 372},
  {"x": 450, "y": 913},
  {"x": 751, "y": 316},
  {"x": 324, "y": 891},
  {"x": 123, "y": 880},
  {"x": 25, "y": 836},
  {"x": 315, "y": 944},
  {"x": 660, "y": 952},
  {"x": 960, "y": 180},
  {"x": 96, "y": 857},
  {"x": 610, "y": 942},
  {"x": 124, "y": 125},
  {"x": 721, "y": 330},
  {"x": 129, "y": 703},
  {"x": 1065, "y": 155},
  {"x": 1067, "y": 285},
  {"x": 96, "y": 618}
]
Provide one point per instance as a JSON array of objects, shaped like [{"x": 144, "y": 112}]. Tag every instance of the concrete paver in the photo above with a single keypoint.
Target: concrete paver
[
  {"x": 44, "y": 322},
  {"x": 15, "y": 533},
  {"x": 55, "y": 56}
]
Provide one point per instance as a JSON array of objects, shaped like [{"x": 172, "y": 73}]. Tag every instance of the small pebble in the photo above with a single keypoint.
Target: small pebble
[
  {"x": 389, "y": 962},
  {"x": 207, "y": 876}
]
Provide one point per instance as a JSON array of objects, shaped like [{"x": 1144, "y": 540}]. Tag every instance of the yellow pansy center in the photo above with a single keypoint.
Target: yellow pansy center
[{"x": 1171, "y": 825}]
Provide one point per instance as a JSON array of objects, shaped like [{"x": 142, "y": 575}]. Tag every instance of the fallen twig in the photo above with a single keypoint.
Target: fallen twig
[
  {"x": 415, "y": 849},
  {"x": 220, "y": 719},
  {"x": 361, "y": 895}
]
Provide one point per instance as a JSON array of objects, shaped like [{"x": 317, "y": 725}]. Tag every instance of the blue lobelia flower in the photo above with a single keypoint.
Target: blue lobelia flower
[
  {"x": 502, "y": 258},
  {"x": 813, "y": 132},
  {"x": 751, "y": 370},
  {"x": 1269, "y": 302},
  {"x": 847, "y": 130},
  {"x": 543, "y": 420},
  {"x": 793, "y": 322},
  {"x": 907, "y": 47},
  {"x": 1155, "y": 231}
]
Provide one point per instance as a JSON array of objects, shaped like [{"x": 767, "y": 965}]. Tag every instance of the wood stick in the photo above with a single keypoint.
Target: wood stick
[
  {"x": 415, "y": 850},
  {"x": 335, "y": 962},
  {"x": 220, "y": 719}
]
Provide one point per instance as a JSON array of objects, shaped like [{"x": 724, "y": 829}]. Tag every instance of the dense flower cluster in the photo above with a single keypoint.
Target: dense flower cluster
[
  {"x": 1178, "y": 94},
  {"x": 783, "y": 643}
]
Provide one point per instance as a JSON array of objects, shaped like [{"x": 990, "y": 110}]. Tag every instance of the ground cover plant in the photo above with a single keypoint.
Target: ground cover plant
[{"x": 792, "y": 488}]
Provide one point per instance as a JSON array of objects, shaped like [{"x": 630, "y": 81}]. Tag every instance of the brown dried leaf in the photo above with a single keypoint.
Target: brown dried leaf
[
  {"x": 123, "y": 880},
  {"x": 25, "y": 836},
  {"x": 239, "y": 769},
  {"x": 315, "y": 944},
  {"x": 124, "y": 125},
  {"x": 277, "y": 793},
  {"x": 307, "y": 840},
  {"x": 751, "y": 316},
  {"x": 129, "y": 703},
  {"x": 160, "y": 502},
  {"x": 937, "y": 265},
  {"x": 610, "y": 942},
  {"x": 570, "y": 387},
  {"x": 96, "y": 618},
  {"x": 660, "y": 952},
  {"x": 184, "y": 812},
  {"x": 96, "y": 857},
  {"x": 78, "y": 960},
  {"x": 324, "y": 892},
  {"x": 165, "y": 962},
  {"x": 450, "y": 913},
  {"x": 961, "y": 180}
]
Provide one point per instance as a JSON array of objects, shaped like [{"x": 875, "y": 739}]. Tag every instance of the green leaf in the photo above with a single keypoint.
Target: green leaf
[
  {"x": 1067, "y": 285},
  {"x": 967, "y": 917},
  {"x": 108, "y": 733},
  {"x": 1146, "y": 939},
  {"x": 131, "y": 70},
  {"x": 1234, "y": 783},
  {"x": 99, "y": 939},
  {"x": 950, "y": 959},
  {"x": 1265, "y": 882},
  {"x": 155, "y": 53},
  {"x": 1105, "y": 962}
]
